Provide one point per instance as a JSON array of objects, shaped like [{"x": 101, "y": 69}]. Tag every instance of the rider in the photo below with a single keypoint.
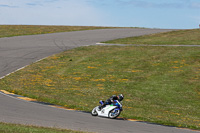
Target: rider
[{"x": 111, "y": 100}]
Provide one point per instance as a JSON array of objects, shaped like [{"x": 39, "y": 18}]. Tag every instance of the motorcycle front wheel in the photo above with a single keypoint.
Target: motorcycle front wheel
[
  {"x": 94, "y": 112},
  {"x": 114, "y": 114}
]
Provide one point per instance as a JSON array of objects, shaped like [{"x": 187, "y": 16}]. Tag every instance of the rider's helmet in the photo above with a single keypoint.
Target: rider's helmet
[{"x": 121, "y": 97}]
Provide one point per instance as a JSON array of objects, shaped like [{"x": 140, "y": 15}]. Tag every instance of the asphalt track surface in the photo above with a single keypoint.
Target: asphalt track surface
[{"x": 17, "y": 52}]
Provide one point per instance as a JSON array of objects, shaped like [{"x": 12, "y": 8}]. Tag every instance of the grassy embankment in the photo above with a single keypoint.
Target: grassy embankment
[
  {"x": 16, "y": 128},
  {"x": 181, "y": 37},
  {"x": 19, "y": 30},
  {"x": 160, "y": 84}
]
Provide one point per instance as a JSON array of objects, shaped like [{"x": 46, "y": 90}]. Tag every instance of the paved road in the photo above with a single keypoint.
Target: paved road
[{"x": 17, "y": 52}]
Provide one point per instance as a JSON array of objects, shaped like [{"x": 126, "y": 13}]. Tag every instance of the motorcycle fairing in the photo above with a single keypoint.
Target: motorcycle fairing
[{"x": 105, "y": 111}]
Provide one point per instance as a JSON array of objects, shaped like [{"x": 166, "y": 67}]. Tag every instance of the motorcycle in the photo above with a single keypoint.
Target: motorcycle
[{"x": 111, "y": 111}]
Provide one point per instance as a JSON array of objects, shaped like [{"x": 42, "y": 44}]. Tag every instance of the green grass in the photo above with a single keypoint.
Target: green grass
[
  {"x": 160, "y": 84},
  {"x": 16, "y": 128},
  {"x": 181, "y": 37},
  {"x": 19, "y": 30}
]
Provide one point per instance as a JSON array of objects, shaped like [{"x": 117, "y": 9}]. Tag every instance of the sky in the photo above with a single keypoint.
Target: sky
[{"x": 165, "y": 14}]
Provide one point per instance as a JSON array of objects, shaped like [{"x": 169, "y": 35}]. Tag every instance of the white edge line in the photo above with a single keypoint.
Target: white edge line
[
  {"x": 22, "y": 68},
  {"x": 100, "y": 43},
  {"x": 14, "y": 72},
  {"x": 22, "y": 96}
]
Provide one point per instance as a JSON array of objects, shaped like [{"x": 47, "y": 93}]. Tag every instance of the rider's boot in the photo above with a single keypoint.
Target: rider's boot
[{"x": 100, "y": 107}]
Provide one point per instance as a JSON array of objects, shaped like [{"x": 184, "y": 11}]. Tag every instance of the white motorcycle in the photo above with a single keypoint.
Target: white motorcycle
[{"x": 111, "y": 111}]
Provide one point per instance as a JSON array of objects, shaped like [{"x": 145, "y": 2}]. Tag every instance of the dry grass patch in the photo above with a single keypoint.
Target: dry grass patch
[{"x": 160, "y": 84}]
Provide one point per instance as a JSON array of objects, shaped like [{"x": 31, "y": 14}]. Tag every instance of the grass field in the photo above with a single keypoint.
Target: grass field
[
  {"x": 16, "y": 128},
  {"x": 160, "y": 84},
  {"x": 19, "y": 30},
  {"x": 181, "y": 37}
]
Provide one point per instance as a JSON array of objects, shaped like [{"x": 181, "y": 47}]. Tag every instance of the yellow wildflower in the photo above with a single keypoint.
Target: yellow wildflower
[
  {"x": 100, "y": 88},
  {"x": 98, "y": 80},
  {"x": 134, "y": 71},
  {"x": 99, "y": 85},
  {"x": 77, "y": 78},
  {"x": 91, "y": 67},
  {"x": 175, "y": 67}
]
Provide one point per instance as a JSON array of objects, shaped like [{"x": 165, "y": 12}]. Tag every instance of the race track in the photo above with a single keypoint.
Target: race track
[{"x": 17, "y": 52}]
